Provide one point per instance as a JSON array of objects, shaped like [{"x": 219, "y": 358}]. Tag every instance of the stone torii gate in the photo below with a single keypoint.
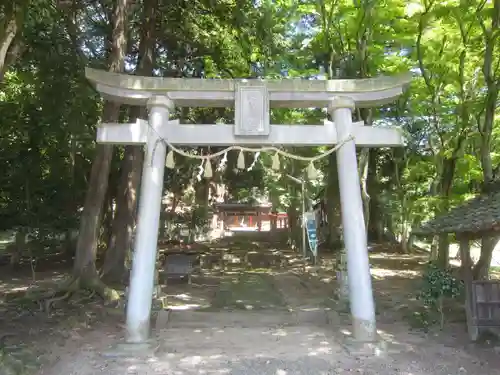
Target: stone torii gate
[{"x": 252, "y": 100}]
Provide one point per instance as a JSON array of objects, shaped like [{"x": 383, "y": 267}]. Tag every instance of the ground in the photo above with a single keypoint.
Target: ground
[{"x": 247, "y": 320}]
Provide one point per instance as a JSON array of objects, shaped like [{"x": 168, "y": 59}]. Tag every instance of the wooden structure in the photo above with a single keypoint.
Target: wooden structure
[
  {"x": 242, "y": 215},
  {"x": 476, "y": 218},
  {"x": 179, "y": 266},
  {"x": 486, "y": 309}
]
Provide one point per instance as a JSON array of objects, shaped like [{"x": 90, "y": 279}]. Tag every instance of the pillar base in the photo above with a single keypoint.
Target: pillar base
[
  {"x": 364, "y": 330},
  {"x": 370, "y": 346},
  {"x": 359, "y": 348},
  {"x": 127, "y": 349}
]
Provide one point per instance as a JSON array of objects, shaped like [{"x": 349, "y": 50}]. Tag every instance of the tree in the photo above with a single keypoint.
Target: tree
[
  {"x": 488, "y": 17},
  {"x": 11, "y": 21},
  {"x": 131, "y": 166},
  {"x": 84, "y": 269},
  {"x": 48, "y": 111}
]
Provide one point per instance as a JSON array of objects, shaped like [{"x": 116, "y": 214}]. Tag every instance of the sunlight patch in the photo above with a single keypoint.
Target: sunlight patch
[
  {"x": 381, "y": 272},
  {"x": 184, "y": 307}
]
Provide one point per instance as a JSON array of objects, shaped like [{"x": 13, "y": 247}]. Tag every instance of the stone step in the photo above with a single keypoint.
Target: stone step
[{"x": 221, "y": 319}]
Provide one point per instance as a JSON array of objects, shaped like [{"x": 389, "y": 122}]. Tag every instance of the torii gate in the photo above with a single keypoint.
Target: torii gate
[{"x": 252, "y": 100}]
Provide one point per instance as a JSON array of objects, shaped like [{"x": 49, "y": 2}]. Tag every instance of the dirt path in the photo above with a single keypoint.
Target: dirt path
[{"x": 269, "y": 323}]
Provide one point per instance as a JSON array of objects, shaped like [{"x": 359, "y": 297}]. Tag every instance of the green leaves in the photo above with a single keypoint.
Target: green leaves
[
  {"x": 47, "y": 115},
  {"x": 437, "y": 285},
  {"x": 48, "y": 112}
]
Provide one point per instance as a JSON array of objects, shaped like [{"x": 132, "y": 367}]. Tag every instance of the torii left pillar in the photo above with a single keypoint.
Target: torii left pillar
[
  {"x": 353, "y": 223},
  {"x": 144, "y": 260}
]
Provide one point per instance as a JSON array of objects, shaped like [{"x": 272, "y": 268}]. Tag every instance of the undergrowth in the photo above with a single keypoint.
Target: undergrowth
[{"x": 438, "y": 287}]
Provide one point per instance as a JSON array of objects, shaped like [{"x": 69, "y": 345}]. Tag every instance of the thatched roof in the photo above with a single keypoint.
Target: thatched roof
[{"x": 477, "y": 217}]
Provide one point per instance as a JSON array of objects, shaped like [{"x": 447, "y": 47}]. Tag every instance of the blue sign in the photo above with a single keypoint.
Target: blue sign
[{"x": 310, "y": 221}]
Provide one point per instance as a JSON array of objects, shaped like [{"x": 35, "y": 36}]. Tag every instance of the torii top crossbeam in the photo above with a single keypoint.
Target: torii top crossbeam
[
  {"x": 285, "y": 93},
  {"x": 252, "y": 100}
]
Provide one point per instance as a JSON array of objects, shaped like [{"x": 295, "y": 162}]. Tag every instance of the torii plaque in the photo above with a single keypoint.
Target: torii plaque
[{"x": 253, "y": 100}]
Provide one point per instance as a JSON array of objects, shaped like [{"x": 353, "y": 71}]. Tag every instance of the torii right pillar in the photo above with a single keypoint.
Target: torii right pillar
[{"x": 354, "y": 231}]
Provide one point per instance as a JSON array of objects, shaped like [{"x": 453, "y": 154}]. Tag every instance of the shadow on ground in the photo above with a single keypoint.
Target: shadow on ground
[{"x": 248, "y": 315}]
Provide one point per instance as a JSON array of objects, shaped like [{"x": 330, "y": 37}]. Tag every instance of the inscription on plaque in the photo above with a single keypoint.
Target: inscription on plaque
[{"x": 251, "y": 111}]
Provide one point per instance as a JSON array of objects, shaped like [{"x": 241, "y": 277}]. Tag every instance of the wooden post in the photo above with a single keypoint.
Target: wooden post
[
  {"x": 472, "y": 328},
  {"x": 273, "y": 221}
]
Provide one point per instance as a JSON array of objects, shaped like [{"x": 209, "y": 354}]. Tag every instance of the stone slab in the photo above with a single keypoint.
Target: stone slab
[{"x": 162, "y": 319}]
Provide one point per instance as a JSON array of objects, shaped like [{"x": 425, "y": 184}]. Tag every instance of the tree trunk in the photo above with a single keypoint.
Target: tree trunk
[
  {"x": 482, "y": 267},
  {"x": 400, "y": 162},
  {"x": 434, "y": 248},
  {"x": 69, "y": 244},
  {"x": 17, "y": 249},
  {"x": 128, "y": 192},
  {"x": 363, "y": 174},
  {"x": 365, "y": 115},
  {"x": 443, "y": 256},
  {"x": 10, "y": 25},
  {"x": 86, "y": 248},
  {"x": 125, "y": 216},
  {"x": 375, "y": 223},
  {"x": 332, "y": 195},
  {"x": 294, "y": 229},
  {"x": 363, "y": 40},
  {"x": 200, "y": 213},
  {"x": 108, "y": 211},
  {"x": 492, "y": 80},
  {"x": 443, "y": 245},
  {"x": 467, "y": 278},
  {"x": 84, "y": 268},
  {"x": 405, "y": 238},
  {"x": 445, "y": 184}
]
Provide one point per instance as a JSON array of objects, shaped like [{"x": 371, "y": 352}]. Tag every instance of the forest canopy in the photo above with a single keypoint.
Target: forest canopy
[{"x": 56, "y": 180}]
